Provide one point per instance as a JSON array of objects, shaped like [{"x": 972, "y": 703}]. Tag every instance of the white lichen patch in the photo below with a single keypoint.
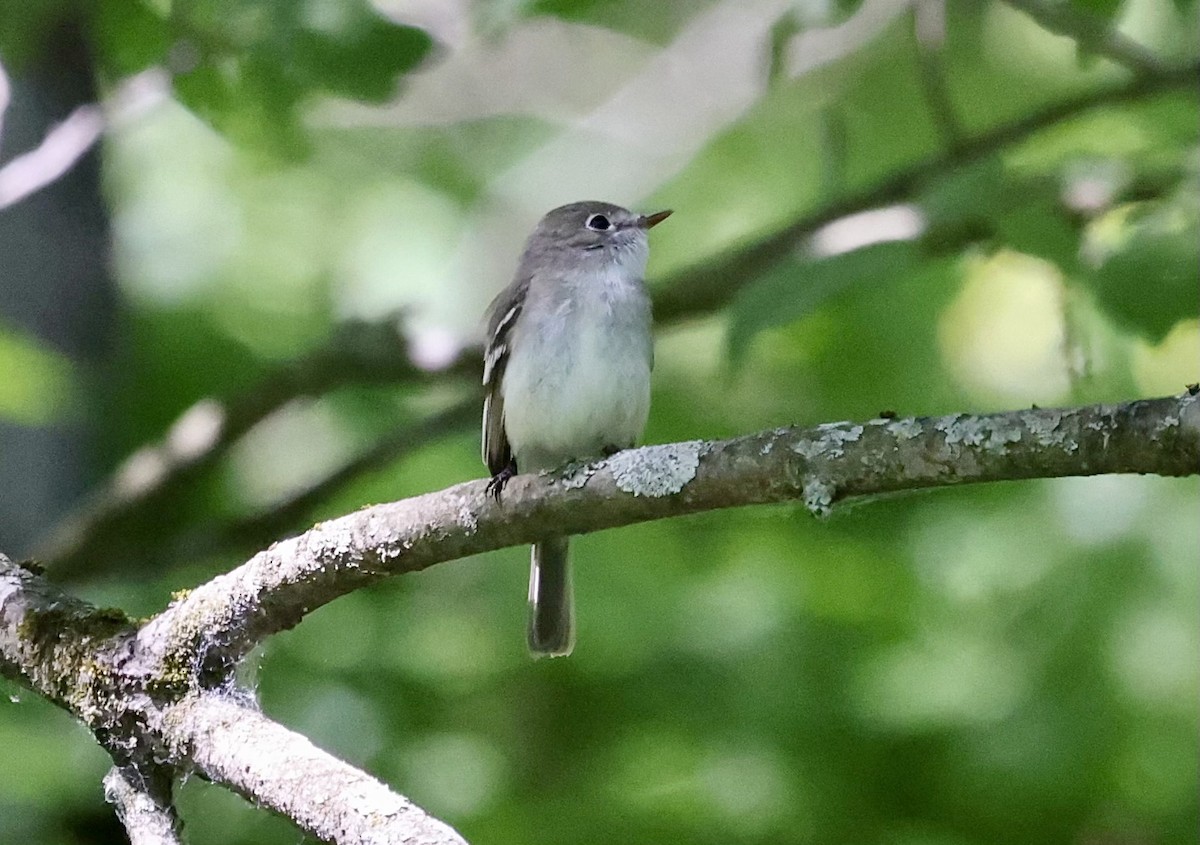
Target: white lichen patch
[
  {"x": 990, "y": 433},
  {"x": 777, "y": 434},
  {"x": 466, "y": 515},
  {"x": 8, "y": 587},
  {"x": 577, "y": 475},
  {"x": 1003, "y": 434},
  {"x": 315, "y": 542},
  {"x": 907, "y": 429},
  {"x": 960, "y": 429},
  {"x": 1189, "y": 413},
  {"x": 818, "y": 497},
  {"x": 656, "y": 470},
  {"x": 1044, "y": 426},
  {"x": 829, "y": 442},
  {"x": 808, "y": 449},
  {"x": 840, "y": 432}
]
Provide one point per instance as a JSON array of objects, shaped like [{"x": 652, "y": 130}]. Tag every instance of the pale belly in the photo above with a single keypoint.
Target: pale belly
[{"x": 575, "y": 394}]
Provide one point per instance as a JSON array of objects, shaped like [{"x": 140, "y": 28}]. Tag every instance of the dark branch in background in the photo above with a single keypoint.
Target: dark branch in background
[
  {"x": 166, "y": 688},
  {"x": 1093, "y": 34},
  {"x": 367, "y": 353},
  {"x": 929, "y": 26},
  {"x": 260, "y": 529},
  {"x": 704, "y": 289},
  {"x": 147, "y": 481}
]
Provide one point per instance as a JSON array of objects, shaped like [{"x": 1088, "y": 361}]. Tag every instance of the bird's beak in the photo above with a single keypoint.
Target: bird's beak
[{"x": 649, "y": 221}]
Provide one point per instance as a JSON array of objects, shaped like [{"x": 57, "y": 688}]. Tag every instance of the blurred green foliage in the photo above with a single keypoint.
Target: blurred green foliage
[
  {"x": 1017, "y": 663},
  {"x": 37, "y": 386}
]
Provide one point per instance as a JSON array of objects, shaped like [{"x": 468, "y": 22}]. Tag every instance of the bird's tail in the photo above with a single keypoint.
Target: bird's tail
[{"x": 551, "y": 601}]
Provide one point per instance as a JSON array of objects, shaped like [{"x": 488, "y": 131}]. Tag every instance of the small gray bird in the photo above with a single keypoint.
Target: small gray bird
[{"x": 566, "y": 372}]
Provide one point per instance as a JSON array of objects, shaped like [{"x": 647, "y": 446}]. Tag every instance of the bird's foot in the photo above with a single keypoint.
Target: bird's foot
[{"x": 497, "y": 482}]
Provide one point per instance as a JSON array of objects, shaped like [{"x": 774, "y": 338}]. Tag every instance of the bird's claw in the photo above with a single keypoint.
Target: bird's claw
[{"x": 496, "y": 483}]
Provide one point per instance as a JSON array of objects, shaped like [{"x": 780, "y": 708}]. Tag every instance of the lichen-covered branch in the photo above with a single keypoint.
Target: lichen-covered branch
[
  {"x": 85, "y": 660},
  {"x": 232, "y": 743},
  {"x": 49, "y": 641},
  {"x": 143, "y": 804},
  {"x": 222, "y": 620},
  {"x": 162, "y": 694}
]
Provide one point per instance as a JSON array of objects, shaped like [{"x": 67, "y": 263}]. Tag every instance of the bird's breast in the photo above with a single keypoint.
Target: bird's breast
[{"x": 578, "y": 377}]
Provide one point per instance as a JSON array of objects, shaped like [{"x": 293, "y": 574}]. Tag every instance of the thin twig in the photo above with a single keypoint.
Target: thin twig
[
  {"x": 151, "y": 478},
  {"x": 929, "y": 25},
  {"x": 70, "y": 140},
  {"x": 63, "y": 145},
  {"x": 258, "y": 529},
  {"x": 703, "y": 289}
]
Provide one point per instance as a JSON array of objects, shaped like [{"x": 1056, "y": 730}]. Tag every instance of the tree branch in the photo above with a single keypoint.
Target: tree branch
[
  {"x": 259, "y": 529},
  {"x": 236, "y": 745},
  {"x": 700, "y": 290},
  {"x": 167, "y": 689},
  {"x": 218, "y": 623},
  {"x": 358, "y": 352},
  {"x": 143, "y": 804},
  {"x": 85, "y": 660},
  {"x": 368, "y": 353},
  {"x": 70, "y": 140}
]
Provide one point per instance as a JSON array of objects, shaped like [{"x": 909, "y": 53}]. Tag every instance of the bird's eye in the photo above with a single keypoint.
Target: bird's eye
[{"x": 598, "y": 223}]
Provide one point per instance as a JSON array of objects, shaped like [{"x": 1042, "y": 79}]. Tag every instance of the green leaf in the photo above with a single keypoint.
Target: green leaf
[
  {"x": 36, "y": 384},
  {"x": 24, "y": 26},
  {"x": 130, "y": 36},
  {"x": 798, "y": 288},
  {"x": 1149, "y": 273},
  {"x": 654, "y": 22},
  {"x": 362, "y": 61},
  {"x": 248, "y": 69},
  {"x": 1041, "y": 228},
  {"x": 1102, "y": 10}
]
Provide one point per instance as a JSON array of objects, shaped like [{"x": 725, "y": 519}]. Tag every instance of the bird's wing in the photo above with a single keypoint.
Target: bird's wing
[{"x": 503, "y": 314}]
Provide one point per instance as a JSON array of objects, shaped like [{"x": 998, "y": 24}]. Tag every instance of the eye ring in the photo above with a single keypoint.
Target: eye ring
[{"x": 598, "y": 223}]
